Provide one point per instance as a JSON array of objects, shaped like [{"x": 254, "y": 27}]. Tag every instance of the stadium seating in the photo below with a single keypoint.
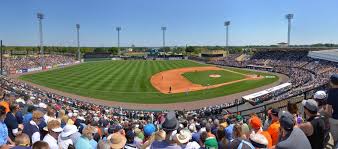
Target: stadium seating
[{"x": 65, "y": 122}]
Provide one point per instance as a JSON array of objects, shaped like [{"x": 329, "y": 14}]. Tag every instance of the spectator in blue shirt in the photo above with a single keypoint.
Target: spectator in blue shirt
[
  {"x": 84, "y": 141},
  {"x": 3, "y": 128},
  {"x": 28, "y": 116}
]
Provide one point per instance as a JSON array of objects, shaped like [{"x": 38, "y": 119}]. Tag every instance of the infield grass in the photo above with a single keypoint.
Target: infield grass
[
  {"x": 225, "y": 76},
  {"x": 129, "y": 81}
]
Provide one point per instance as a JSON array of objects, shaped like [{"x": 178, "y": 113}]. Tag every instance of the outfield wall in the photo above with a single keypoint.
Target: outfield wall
[{"x": 26, "y": 70}]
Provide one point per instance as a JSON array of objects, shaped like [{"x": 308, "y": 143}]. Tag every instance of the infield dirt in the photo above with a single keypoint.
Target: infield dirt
[{"x": 172, "y": 81}]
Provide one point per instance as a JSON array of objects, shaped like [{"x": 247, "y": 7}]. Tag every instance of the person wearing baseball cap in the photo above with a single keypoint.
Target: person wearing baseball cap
[
  {"x": 54, "y": 129},
  {"x": 130, "y": 144},
  {"x": 290, "y": 136},
  {"x": 320, "y": 97},
  {"x": 332, "y": 106},
  {"x": 170, "y": 126},
  {"x": 273, "y": 129},
  {"x": 314, "y": 128},
  {"x": 148, "y": 130}
]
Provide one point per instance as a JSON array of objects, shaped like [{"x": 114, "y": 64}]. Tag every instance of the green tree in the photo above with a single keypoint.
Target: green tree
[
  {"x": 166, "y": 49},
  {"x": 189, "y": 49},
  {"x": 113, "y": 50},
  {"x": 100, "y": 50},
  {"x": 235, "y": 50},
  {"x": 178, "y": 50},
  {"x": 86, "y": 49}
]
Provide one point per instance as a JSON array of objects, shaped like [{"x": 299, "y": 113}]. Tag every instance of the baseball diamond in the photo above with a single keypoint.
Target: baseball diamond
[{"x": 131, "y": 81}]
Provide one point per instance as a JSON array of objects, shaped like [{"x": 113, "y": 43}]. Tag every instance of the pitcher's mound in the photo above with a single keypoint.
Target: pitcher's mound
[{"x": 214, "y": 76}]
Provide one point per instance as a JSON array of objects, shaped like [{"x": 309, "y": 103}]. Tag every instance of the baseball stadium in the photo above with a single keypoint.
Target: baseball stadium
[{"x": 176, "y": 86}]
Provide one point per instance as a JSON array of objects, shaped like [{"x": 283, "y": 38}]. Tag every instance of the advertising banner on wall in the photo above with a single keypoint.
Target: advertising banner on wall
[
  {"x": 34, "y": 69},
  {"x": 24, "y": 70},
  {"x": 19, "y": 71}
]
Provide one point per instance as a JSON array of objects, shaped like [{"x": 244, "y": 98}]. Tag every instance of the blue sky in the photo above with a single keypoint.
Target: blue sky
[{"x": 192, "y": 22}]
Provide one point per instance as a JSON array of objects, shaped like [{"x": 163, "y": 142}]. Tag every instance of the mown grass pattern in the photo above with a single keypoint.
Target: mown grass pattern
[
  {"x": 226, "y": 76},
  {"x": 129, "y": 81}
]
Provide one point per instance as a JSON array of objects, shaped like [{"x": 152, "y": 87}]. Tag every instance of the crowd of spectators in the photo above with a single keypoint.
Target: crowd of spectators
[
  {"x": 30, "y": 118},
  {"x": 304, "y": 72},
  {"x": 27, "y": 62},
  {"x": 33, "y": 118}
]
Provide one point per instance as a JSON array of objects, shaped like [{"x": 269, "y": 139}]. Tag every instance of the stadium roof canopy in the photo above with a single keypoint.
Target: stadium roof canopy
[{"x": 330, "y": 55}]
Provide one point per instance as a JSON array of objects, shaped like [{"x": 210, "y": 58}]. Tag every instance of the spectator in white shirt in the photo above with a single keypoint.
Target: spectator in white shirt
[
  {"x": 64, "y": 139},
  {"x": 54, "y": 129}
]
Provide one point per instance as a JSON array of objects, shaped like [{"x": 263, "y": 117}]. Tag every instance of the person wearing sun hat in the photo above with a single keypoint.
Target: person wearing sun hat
[
  {"x": 117, "y": 141},
  {"x": 66, "y": 137},
  {"x": 54, "y": 130},
  {"x": 184, "y": 137}
]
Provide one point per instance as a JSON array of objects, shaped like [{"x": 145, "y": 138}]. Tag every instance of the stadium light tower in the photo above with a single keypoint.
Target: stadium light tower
[
  {"x": 163, "y": 33},
  {"x": 226, "y": 24},
  {"x": 289, "y": 17},
  {"x": 40, "y": 17},
  {"x": 118, "y": 29},
  {"x": 78, "y": 42}
]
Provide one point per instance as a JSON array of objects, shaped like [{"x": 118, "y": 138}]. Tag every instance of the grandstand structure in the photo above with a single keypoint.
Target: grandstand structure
[{"x": 329, "y": 55}]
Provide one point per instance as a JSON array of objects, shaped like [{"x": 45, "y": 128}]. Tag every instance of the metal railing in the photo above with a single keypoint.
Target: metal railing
[{"x": 281, "y": 104}]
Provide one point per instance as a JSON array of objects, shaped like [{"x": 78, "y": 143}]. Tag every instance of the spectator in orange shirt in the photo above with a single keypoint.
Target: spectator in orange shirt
[
  {"x": 6, "y": 104},
  {"x": 274, "y": 127}
]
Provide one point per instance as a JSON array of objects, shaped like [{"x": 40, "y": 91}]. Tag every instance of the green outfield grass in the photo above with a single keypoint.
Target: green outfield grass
[
  {"x": 226, "y": 76},
  {"x": 129, "y": 81}
]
